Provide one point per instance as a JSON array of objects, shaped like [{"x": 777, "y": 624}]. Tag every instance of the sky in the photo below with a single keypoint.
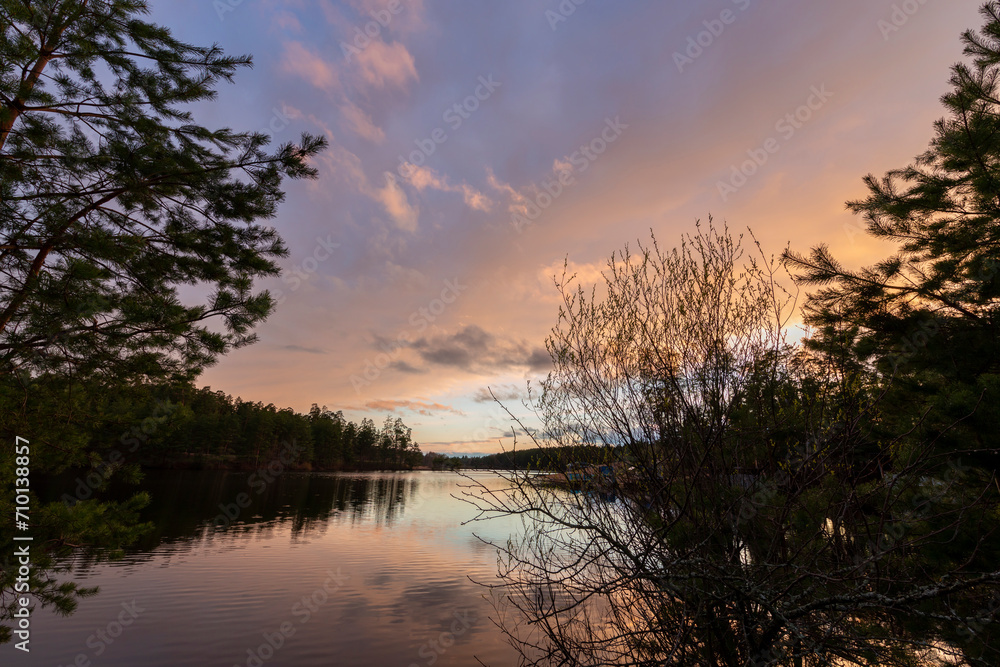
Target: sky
[{"x": 477, "y": 146}]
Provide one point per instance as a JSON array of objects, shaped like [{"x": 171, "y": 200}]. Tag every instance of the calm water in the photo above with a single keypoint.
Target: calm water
[{"x": 334, "y": 569}]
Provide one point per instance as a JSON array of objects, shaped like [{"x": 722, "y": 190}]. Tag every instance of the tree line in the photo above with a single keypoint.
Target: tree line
[
  {"x": 548, "y": 459},
  {"x": 180, "y": 425}
]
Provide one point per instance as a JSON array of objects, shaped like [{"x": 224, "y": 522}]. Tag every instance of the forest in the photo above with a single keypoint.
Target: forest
[
  {"x": 550, "y": 459},
  {"x": 180, "y": 426}
]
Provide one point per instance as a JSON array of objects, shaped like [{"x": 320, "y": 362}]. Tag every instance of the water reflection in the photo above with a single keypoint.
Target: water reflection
[{"x": 228, "y": 563}]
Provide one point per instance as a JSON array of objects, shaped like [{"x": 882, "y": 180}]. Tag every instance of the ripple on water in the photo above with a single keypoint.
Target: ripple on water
[{"x": 365, "y": 569}]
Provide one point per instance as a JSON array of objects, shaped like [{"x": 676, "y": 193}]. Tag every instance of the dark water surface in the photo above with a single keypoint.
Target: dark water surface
[{"x": 333, "y": 569}]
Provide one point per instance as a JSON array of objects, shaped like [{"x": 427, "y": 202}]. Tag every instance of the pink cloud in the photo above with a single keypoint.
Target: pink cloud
[
  {"x": 423, "y": 178},
  {"x": 299, "y": 60},
  {"x": 287, "y": 21},
  {"x": 394, "y": 200},
  {"x": 384, "y": 64},
  {"x": 361, "y": 123}
]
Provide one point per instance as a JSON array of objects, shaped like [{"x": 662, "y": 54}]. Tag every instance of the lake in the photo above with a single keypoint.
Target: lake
[{"x": 319, "y": 569}]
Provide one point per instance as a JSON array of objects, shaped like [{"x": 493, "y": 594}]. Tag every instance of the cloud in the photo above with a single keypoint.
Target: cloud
[
  {"x": 404, "y": 367},
  {"x": 517, "y": 203},
  {"x": 420, "y": 407},
  {"x": 286, "y": 21},
  {"x": 381, "y": 65},
  {"x": 423, "y": 178},
  {"x": 521, "y": 202},
  {"x": 562, "y": 166},
  {"x": 299, "y": 348},
  {"x": 503, "y": 392},
  {"x": 394, "y": 200},
  {"x": 360, "y": 122},
  {"x": 347, "y": 166},
  {"x": 378, "y": 65},
  {"x": 588, "y": 274},
  {"x": 476, "y": 350},
  {"x": 409, "y": 18},
  {"x": 297, "y": 59},
  {"x": 476, "y": 200}
]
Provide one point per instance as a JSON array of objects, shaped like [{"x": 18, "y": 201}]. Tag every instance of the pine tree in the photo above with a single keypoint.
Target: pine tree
[
  {"x": 928, "y": 317},
  {"x": 112, "y": 196},
  {"x": 926, "y": 323},
  {"x": 935, "y": 303}
]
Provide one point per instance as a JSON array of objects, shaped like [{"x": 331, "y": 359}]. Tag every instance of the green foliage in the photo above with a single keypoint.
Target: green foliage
[
  {"x": 925, "y": 324},
  {"x": 112, "y": 196},
  {"x": 552, "y": 459},
  {"x": 931, "y": 308},
  {"x": 112, "y": 430},
  {"x": 769, "y": 504},
  {"x": 99, "y": 529},
  {"x": 107, "y": 431}
]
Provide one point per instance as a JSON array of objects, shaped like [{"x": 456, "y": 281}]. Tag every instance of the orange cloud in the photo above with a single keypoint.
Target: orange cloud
[{"x": 423, "y": 178}]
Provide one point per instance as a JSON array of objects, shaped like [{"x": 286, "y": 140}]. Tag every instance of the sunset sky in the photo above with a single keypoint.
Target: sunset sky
[{"x": 631, "y": 112}]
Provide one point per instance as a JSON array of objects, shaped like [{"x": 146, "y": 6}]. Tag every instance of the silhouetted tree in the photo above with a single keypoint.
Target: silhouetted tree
[{"x": 752, "y": 508}]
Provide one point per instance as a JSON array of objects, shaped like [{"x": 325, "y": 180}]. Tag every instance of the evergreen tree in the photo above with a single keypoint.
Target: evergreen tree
[
  {"x": 933, "y": 305},
  {"x": 927, "y": 321},
  {"x": 929, "y": 316},
  {"x": 112, "y": 196}
]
